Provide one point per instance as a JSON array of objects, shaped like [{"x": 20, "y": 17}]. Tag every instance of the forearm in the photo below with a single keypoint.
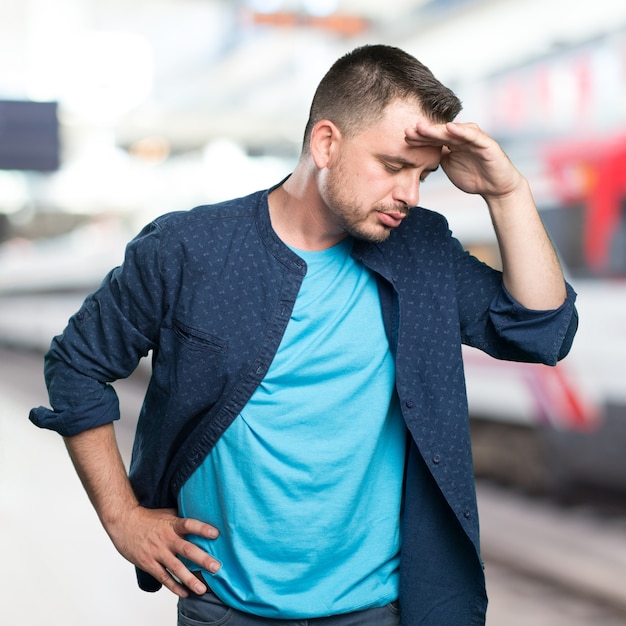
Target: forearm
[
  {"x": 531, "y": 270},
  {"x": 99, "y": 465},
  {"x": 151, "y": 539}
]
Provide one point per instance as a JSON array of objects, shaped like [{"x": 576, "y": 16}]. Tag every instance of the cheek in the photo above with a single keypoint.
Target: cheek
[
  {"x": 378, "y": 187},
  {"x": 361, "y": 187}
]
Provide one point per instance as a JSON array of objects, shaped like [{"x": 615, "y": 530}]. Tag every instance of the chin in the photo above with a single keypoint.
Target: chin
[{"x": 373, "y": 236}]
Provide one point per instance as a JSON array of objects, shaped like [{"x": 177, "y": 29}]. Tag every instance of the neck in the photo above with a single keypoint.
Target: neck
[{"x": 300, "y": 217}]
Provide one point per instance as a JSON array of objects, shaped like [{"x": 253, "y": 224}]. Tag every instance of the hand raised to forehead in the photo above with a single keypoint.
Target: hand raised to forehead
[{"x": 471, "y": 159}]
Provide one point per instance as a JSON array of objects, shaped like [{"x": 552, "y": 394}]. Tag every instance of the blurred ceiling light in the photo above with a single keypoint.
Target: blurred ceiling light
[
  {"x": 150, "y": 149},
  {"x": 316, "y": 8},
  {"x": 321, "y": 8},
  {"x": 265, "y": 6}
]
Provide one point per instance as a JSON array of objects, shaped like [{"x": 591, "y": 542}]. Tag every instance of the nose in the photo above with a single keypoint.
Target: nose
[{"x": 407, "y": 190}]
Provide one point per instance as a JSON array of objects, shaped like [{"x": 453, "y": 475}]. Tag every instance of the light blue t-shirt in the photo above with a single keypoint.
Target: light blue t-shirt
[{"x": 306, "y": 484}]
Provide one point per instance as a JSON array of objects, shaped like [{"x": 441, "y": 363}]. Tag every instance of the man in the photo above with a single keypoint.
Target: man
[{"x": 303, "y": 450}]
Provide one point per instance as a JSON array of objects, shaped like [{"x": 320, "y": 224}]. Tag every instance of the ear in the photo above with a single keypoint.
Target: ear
[{"x": 325, "y": 143}]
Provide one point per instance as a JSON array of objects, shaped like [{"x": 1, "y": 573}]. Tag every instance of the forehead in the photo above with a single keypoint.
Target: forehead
[
  {"x": 387, "y": 135},
  {"x": 403, "y": 113}
]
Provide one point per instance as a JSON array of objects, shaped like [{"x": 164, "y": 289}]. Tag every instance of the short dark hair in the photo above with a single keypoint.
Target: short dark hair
[{"x": 360, "y": 85}]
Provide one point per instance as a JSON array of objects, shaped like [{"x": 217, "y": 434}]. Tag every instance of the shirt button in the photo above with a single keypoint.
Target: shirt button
[
  {"x": 467, "y": 514},
  {"x": 436, "y": 459},
  {"x": 409, "y": 404}
]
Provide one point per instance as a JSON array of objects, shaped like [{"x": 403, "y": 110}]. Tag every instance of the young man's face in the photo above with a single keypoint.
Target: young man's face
[{"x": 374, "y": 179}]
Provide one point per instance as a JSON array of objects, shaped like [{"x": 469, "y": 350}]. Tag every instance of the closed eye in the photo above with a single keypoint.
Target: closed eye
[
  {"x": 394, "y": 165},
  {"x": 393, "y": 169}
]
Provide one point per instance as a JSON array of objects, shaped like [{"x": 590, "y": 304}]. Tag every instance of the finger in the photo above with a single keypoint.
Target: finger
[
  {"x": 172, "y": 573},
  {"x": 197, "y": 555},
  {"x": 169, "y": 571},
  {"x": 424, "y": 133},
  {"x": 468, "y": 134},
  {"x": 172, "y": 582},
  {"x": 182, "y": 574},
  {"x": 451, "y": 133},
  {"x": 182, "y": 578},
  {"x": 188, "y": 526}
]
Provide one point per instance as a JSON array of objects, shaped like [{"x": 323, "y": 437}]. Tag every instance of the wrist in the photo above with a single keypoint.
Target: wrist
[
  {"x": 118, "y": 513},
  {"x": 516, "y": 196}
]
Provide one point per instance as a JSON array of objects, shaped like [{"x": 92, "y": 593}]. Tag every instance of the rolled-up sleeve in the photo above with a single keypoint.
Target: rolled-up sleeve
[
  {"x": 493, "y": 321},
  {"x": 104, "y": 341},
  {"x": 542, "y": 336}
]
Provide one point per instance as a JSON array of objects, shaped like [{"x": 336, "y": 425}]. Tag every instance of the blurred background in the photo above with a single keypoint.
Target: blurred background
[{"x": 112, "y": 113}]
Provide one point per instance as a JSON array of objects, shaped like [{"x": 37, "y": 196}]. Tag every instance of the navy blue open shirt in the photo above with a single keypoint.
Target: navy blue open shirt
[{"x": 210, "y": 292}]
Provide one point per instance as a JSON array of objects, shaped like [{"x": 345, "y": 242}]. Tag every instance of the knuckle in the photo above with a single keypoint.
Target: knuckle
[
  {"x": 164, "y": 577},
  {"x": 182, "y": 525},
  {"x": 186, "y": 550}
]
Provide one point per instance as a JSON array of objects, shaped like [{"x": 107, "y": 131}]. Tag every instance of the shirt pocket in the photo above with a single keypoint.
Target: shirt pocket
[
  {"x": 195, "y": 338},
  {"x": 195, "y": 366}
]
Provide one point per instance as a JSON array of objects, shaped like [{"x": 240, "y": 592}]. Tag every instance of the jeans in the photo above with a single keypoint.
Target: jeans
[{"x": 208, "y": 610}]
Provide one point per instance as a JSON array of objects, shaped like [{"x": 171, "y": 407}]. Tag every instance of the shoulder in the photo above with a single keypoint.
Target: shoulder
[
  {"x": 181, "y": 236},
  {"x": 421, "y": 231},
  {"x": 207, "y": 228},
  {"x": 210, "y": 216},
  {"x": 419, "y": 218}
]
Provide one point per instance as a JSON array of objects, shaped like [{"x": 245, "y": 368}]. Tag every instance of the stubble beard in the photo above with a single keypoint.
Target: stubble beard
[{"x": 352, "y": 218}]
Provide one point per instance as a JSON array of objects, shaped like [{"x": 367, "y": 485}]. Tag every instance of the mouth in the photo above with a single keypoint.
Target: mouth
[{"x": 391, "y": 219}]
